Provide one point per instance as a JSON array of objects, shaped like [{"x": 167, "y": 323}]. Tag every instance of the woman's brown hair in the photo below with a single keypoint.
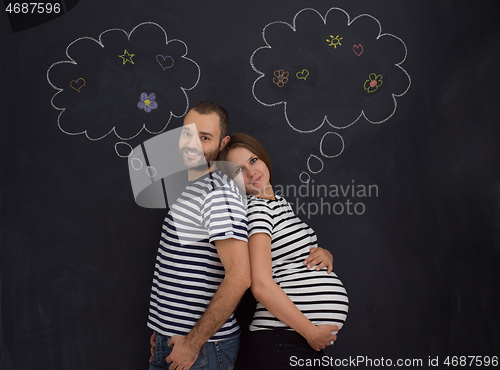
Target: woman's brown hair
[{"x": 241, "y": 140}]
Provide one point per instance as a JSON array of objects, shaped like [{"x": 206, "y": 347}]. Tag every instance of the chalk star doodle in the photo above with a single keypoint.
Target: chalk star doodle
[
  {"x": 118, "y": 98},
  {"x": 77, "y": 84},
  {"x": 373, "y": 83},
  {"x": 164, "y": 64},
  {"x": 303, "y": 74},
  {"x": 281, "y": 77},
  {"x": 335, "y": 41},
  {"x": 127, "y": 57}
]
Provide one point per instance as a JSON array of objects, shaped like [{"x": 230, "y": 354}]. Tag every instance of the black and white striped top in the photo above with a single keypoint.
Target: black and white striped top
[
  {"x": 321, "y": 297},
  {"x": 188, "y": 270}
]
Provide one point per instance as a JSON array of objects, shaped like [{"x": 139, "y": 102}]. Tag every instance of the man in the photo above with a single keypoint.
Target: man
[{"x": 202, "y": 268}]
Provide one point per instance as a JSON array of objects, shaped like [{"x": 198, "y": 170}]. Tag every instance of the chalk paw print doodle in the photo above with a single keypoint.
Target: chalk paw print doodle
[
  {"x": 358, "y": 49},
  {"x": 77, "y": 84},
  {"x": 281, "y": 77},
  {"x": 303, "y": 74},
  {"x": 165, "y": 62}
]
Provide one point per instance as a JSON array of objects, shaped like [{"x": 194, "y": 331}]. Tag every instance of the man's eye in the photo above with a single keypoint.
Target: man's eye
[{"x": 204, "y": 138}]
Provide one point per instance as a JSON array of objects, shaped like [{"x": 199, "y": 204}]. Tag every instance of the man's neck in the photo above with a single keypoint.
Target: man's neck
[{"x": 194, "y": 174}]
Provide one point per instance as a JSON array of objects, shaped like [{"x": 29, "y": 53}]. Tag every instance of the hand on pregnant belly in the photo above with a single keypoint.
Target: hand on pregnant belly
[
  {"x": 320, "y": 258},
  {"x": 322, "y": 336},
  {"x": 321, "y": 297}
]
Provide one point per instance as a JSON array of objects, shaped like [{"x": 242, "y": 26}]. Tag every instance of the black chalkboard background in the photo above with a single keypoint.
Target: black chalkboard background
[{"x": 421, "y": 264}]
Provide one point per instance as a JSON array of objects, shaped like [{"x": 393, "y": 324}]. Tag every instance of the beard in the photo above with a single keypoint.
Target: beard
[{"x": 201, "y": 164}]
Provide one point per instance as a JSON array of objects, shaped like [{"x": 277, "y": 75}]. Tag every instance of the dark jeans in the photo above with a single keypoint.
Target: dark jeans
[
  {"x": 219, "y": 355},
  {"x": 279, "y": 349}
]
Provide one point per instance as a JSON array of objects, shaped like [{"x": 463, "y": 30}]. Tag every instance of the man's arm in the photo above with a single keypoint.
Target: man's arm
[{"x": 234, "y": 256}]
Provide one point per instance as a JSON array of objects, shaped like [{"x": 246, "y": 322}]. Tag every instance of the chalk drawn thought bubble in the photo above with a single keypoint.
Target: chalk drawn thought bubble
[
  {"x": 122, "y": 83},
  {"x": 337, "y": 70}
]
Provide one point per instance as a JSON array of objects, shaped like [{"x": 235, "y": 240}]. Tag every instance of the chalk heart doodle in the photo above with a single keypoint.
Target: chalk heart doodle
[
  {"x": 165, "y": 62},
  {"x": 358, "y": 49},
  {"x": 303, "y": 74},
  {"x": 77, "y": 84}
]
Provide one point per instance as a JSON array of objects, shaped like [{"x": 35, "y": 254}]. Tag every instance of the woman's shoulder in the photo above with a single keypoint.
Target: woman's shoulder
[
  {"x": 272, "y": 206},
  {"x": 270, "y": 203}
]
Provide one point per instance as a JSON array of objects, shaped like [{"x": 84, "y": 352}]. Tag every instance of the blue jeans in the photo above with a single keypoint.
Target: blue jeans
[{"x": 219, "y": 355}]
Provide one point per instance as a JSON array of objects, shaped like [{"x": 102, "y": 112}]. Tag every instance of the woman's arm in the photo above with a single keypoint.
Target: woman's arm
[{"x": 267, "y": 292}]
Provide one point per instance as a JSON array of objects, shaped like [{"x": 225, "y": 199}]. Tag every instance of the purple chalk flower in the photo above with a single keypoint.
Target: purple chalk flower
[{"x": 147, "y": 102}]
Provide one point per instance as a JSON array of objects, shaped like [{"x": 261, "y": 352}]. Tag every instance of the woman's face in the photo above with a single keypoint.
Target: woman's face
[{"x": 254, "y": 171}]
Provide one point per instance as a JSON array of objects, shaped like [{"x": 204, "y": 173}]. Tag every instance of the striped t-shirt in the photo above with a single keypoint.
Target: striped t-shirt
[
  {"x": 321, "y": 297},
  {"x": 188, "y": 270}
]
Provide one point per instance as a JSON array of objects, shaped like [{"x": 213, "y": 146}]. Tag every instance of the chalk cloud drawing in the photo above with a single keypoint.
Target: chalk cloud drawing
[
  {"x": 122, "y": 83},
  {"x": 355, "y": 74}
]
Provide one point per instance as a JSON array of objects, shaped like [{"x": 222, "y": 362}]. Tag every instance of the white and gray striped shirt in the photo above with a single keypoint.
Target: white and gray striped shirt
[
  {"x": 321, "y": 297},
  {"x": 188, "y": 270}
]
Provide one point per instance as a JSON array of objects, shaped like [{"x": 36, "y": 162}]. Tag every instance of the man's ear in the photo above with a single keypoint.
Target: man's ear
[{"x": 224, "y": 142}]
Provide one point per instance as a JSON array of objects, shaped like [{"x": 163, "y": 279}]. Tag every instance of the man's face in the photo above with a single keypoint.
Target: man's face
[{"x": 199, "y": 143}]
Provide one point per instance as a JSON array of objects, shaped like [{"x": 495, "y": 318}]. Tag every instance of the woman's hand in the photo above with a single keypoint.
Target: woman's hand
[
  {"x": 322, "y": 336},
  {"x": 320, "y": 257}
]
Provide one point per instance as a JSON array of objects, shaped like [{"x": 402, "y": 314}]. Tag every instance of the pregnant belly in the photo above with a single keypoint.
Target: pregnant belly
[{"x": 321, "y": 297}]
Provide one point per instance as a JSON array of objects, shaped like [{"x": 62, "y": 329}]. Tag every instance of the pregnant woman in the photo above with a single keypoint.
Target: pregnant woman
[{"x": 299, "y": 310}]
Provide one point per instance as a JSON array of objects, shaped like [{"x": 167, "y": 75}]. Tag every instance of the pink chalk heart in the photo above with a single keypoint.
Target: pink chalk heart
[
  {"x": 165, "y": 62},
  {"x": 77, "y": 84},
  {"x": 358, "y": 49}
]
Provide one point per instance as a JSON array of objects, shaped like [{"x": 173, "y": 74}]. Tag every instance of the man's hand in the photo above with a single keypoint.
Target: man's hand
[
  {"x": 322, "y": 336},
  {"x": 321, "y": 257},
  {"x": 152, "y": 341},
  {"x": 184, "y": 353}
]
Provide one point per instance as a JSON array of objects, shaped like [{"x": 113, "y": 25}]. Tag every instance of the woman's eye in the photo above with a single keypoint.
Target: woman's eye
[
  {"x": 237, "y": 171},
  {"x": 253, "y": 160}
]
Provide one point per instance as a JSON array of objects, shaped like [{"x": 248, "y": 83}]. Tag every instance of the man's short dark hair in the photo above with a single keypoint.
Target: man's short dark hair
[{"x": 208, "y": 107}]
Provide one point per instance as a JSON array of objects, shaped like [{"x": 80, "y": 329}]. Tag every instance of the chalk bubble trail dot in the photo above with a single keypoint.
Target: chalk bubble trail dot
[
  {"x": 304, "y": 177},
  {"x": 151, "y": 171},
  {"x": 136, "y": 164},
  {"x": 331, "y": 145},
  {"x": 319, "y": 163},
  {"x": 124, "y": 150}
]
